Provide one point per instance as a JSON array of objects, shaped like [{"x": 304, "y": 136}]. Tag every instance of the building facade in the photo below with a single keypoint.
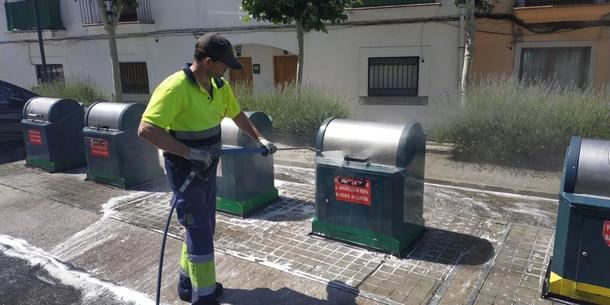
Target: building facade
[
  {"x": 561, "y": 41},
  {"x": 393, "y": 58}
]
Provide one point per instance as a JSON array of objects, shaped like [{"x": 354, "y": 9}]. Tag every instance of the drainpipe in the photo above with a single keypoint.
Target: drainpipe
[
  {"x": 40, "y": 41},
  {"x": 460, "y": 47}
]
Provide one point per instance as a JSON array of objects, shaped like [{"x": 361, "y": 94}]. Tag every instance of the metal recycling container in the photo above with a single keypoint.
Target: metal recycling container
[
  {"x": 580, "y": 267},
  {"x": 370, "y": 183},
  {"x": 115, "y": 153},
  {"x": 52, "y": 130},
  {"x": 245, "y": 181}
]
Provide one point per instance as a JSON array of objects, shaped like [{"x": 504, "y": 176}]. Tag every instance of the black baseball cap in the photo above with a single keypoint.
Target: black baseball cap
[{"x": 215, "y": 46}]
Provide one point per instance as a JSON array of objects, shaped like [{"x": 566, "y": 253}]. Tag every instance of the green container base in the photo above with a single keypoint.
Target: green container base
[
  {"x": 367, "y": 238},
  {"x": 120, "y": 182},
  {"x": 50, "y": 166},
  {"x": 248, "y": 206}
]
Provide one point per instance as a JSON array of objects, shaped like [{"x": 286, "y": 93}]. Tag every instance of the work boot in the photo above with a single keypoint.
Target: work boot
[
  {"x": 185, "y": 294},
  {"x": 184, "y": 288},
  {"x": 207, "y": 301},
  {"x": 218, "y": 291}
]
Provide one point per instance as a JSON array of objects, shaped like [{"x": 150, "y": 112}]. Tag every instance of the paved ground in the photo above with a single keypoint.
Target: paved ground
[{"x": 70, "y": 241}]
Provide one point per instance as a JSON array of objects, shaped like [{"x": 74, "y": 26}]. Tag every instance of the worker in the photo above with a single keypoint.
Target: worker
[{"x": 183, "y": 119}]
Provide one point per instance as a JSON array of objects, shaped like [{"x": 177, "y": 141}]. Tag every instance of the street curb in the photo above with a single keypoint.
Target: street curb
[
  {"x": 294, "y": 163},
  {"x": 485, "y": 187},
  {"x": 493, "y": 188},
  {"x": 439, "y": 148}
]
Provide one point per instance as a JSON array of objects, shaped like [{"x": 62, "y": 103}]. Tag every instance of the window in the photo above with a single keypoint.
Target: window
[
  {"x": 91, "y": 15},
  {"x": 20, "y": 15},
  {"x": 561, "y": 65},
  {"x": 129, "y": 14},
  {"x": 134, "y": 77},
  {"x": 54, "y": 73},
  {"x": 393, "y": 76}
]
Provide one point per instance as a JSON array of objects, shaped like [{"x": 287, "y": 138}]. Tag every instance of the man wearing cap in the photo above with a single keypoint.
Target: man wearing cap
[{"x": 183, "y": 119}]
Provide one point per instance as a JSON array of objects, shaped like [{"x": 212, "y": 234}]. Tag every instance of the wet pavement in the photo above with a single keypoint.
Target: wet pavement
[{"x": 479, "y": 247}]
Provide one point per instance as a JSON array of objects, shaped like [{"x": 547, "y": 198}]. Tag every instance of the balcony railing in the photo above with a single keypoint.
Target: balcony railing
[
  {"x": 526, "y": 3},
  {"x": 371, "y": 3},
  {"x": 90, "y": 14},
  {"x": 20, "y": 15}
]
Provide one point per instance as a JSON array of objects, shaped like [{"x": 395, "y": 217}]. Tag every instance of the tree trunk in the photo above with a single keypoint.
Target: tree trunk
[
  {"x": 116, "y": 71},
  {"x": 301, "y": 52},
  {"x": 468, "y": 49},
  {"x": 110, "y": 23}
]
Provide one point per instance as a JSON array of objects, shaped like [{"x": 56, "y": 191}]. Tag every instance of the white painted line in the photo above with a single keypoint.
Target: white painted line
[{"x": 90, "y": 286}]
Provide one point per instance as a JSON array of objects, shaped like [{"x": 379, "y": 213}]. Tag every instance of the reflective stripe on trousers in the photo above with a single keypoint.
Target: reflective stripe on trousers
[{"x": 196, "y": 211}]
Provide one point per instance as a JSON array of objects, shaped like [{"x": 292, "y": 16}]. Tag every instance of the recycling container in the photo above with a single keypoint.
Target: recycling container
[
  {"x": 580, "y": 268},
  {"x": 52, "y": 130},
  {"x": 245, "y": 181},
  {"x": 115, "y": 153},
  {"x": 370, "y": 183}
]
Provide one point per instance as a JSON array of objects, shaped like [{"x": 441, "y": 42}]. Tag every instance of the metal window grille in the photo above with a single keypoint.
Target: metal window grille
[
  {"x": 134, "y": 77},
  {"x": 55, "y": 72},
  {"x": 393, "y": 76},
  {"x": 90, "y": 13}
]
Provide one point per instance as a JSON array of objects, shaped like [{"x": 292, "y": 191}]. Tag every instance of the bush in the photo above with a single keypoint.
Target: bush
[
  {"x": 297, "y": 113},
  {"x": 504, "y": 120},
  {"x": 80, "y": 89}
]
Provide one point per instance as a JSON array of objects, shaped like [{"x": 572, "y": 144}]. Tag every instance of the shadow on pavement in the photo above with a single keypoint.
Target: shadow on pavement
[
  {"x": 338, "y": 293},
  {"x": 11, "y": 151},
  {"x": 447, "y": 247}
]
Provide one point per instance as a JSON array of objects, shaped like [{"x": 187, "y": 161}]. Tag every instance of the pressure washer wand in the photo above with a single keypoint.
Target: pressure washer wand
[
  {"x": 299, "y": 148},
  {"x": 236, "y": 150}
]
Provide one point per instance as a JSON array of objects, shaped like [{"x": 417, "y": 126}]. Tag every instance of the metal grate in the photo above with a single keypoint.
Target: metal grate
[
  {"x": 134, "y": 77},
  {"x": 90, "y": 14},
  {"x": 55, "y": 72},
  {"x": 393, "y": 76}
]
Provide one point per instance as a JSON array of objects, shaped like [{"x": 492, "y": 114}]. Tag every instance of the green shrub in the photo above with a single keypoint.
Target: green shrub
[
  {"x": 504, "y": 120},
  {"x": 297, "y": 113},
  {"x": 79, "y": 89}
]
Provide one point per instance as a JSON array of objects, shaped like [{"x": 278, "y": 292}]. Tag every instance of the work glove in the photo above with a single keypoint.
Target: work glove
[
  {"x": 268, "y": 145},
  {"x": 204, "y": 161},
  {"x": 201, "y": 157}
]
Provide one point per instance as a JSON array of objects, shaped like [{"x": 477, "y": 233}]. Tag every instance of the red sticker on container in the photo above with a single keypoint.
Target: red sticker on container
[
  {"x": 606, "y": 232},
  {"x": 34, "y": 136},
  {"x": 99, "y": 148},
  {"x": 353, "y": 190}
]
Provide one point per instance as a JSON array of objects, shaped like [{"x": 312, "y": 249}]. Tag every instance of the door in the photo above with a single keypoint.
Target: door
[
  {"x": 243, "y": 75},
  {"x": 284, "y": 69},
  {"x": 593, "y": 266}
]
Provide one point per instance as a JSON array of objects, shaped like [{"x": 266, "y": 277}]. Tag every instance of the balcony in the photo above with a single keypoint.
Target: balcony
[
  {"x": 373, "y": 3},
  {"x": 528, "y": 3},
  {"x": 90, "y": 14},
  {"x": 546, "y": 11},
  {"x": 20, "y": 15}
]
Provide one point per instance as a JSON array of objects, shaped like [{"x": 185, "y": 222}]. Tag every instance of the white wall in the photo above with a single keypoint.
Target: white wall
[
  {"x": 262, "y": 55},
  {"x": 346, "y": 49}
]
